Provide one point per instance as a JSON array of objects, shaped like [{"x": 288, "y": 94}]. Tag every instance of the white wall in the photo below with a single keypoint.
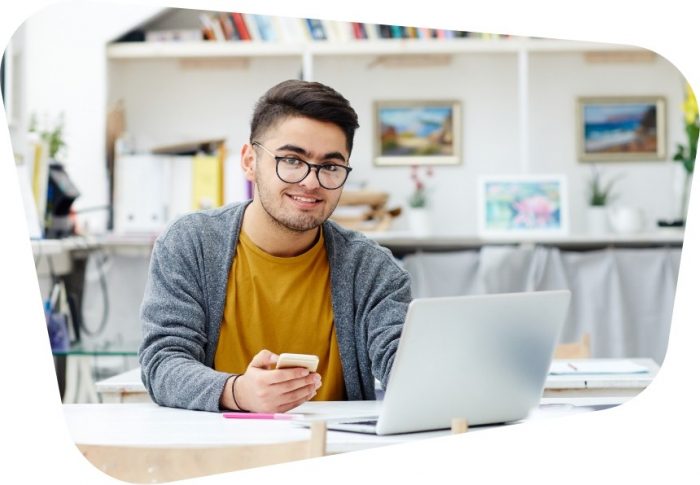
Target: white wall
[
  {"x": 486, "y": 85},
  {"x": 555, "y": 82}
]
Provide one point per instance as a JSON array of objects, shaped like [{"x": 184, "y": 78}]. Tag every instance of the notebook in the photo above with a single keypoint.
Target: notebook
[{"x": 484, "y": 358}]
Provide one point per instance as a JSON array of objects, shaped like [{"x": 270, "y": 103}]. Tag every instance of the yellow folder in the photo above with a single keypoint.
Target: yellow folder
[{"x": 208, "y": 180}]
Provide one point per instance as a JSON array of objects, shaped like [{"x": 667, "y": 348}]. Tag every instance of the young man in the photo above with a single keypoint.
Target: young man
[{"x": 230, "y": 289}]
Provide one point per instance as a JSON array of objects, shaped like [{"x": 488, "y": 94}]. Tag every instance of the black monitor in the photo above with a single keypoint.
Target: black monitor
[{"x": 60, "y": 197}]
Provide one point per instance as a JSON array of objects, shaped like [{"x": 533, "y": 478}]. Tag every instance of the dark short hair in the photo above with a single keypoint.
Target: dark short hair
[{"x": 308, "y": 99}]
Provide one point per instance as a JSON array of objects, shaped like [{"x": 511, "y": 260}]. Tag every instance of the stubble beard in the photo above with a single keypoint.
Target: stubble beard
[{"x": 295, "y": 223}]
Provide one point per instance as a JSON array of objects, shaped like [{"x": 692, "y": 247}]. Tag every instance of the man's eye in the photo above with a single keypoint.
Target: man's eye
[
  {"x": 331, "y": 168},
  {"x": 292, "y": 162}
]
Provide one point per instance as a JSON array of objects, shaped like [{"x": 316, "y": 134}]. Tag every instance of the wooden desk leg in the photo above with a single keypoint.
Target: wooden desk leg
[
  {"x": 317, "y": 444},
  {"x": 459, "y": 425}
]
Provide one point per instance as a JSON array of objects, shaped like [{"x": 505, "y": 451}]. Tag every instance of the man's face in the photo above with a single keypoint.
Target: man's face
[{"x": 304, "y": 205}]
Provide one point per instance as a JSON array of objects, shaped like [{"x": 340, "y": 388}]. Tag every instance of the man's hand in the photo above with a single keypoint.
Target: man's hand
[{"x": 262, "y": 388}]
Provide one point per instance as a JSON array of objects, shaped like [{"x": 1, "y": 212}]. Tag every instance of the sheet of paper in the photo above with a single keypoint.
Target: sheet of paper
[{"x": 576, "y": 367}]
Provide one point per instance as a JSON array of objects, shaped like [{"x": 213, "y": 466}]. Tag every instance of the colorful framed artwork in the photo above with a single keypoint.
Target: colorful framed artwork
[
  {"x": 417, "y": 133},
  {"x": 621, "y": 128},
  {"x": 521, "y": 206}
]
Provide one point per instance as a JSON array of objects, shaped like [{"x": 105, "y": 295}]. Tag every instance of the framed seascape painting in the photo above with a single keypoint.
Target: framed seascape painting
[
  {"x": 417, "y": 133},
  {"x": 621, "y": 128},
  {"x": 518, "y": 206}
]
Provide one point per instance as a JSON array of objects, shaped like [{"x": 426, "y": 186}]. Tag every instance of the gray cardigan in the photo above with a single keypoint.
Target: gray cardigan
[{"x": 185, "y": 294}]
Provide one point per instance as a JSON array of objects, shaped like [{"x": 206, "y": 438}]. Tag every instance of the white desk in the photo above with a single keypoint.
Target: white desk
[
  {"x": 146, "y": 424},
  {"x": 600, "y": 385},
  {"x": 128, "y": 388}
]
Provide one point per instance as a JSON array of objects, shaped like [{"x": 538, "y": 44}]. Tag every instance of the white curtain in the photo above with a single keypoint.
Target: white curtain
[{"x": 622, "y": 297}]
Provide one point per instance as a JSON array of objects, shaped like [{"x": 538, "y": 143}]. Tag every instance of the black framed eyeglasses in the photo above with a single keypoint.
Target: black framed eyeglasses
[{"x": 293, "y": 170}]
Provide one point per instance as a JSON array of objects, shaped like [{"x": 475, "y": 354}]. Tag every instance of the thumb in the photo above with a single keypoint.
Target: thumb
[{"x": 263, "y": 359}]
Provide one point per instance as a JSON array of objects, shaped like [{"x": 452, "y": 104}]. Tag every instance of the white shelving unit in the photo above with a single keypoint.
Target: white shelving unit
[
  {"x": 504, "y": 84},
  {"x": 205, "y": 49}
]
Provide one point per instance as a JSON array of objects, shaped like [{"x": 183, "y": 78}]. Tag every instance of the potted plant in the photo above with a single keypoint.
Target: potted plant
[
  {"x": 419, "y": 219},
  {"x": 599, "y": 197},
  {"x": 52, "y": 135},
  {"x": 685, "y": 154}
]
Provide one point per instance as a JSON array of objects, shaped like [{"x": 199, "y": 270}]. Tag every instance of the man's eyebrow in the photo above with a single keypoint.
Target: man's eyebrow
[{"x": 301, "y": 151}]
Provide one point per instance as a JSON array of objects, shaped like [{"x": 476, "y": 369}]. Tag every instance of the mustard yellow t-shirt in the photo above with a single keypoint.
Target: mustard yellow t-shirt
[{"x": 283, "y": 305}]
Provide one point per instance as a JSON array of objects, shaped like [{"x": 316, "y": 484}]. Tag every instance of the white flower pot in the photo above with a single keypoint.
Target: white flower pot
[
  {"x": 419, "y": 221},
  {"x": 597, "y": 220}
]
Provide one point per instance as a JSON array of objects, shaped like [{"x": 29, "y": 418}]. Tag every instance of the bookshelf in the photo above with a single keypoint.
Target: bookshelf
[
  {"x": 205, "y": 49},
  {"x": 518, "y": 95}
]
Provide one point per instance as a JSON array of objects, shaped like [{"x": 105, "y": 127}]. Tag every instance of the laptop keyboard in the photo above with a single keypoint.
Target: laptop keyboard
[{"x": 371, "y": 422}]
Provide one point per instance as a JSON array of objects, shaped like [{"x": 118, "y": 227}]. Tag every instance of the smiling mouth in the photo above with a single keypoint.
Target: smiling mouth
[{"x": 304, "y": 200}]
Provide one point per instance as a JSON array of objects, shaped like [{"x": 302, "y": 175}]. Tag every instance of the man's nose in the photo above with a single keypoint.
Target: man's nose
[{"x": 311, "y": 180}]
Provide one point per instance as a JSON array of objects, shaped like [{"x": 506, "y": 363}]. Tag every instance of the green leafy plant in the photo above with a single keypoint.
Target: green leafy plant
[
  {"x": 600, "y": 194},
  {"x": 419, "y": 196},
  {"x": 686, "y": 153},
  {"x": 52, "y": 134}
]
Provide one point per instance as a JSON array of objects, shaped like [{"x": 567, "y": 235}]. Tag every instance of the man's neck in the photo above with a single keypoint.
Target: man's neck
[{"x": 272, "y": 237}]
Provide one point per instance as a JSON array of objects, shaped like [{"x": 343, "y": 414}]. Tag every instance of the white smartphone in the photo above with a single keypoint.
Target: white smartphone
[{"x": 307, "y": 361}]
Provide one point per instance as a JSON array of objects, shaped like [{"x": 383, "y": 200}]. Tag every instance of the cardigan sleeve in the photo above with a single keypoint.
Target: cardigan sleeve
[
  {"x": 386, "y": 304},
  {"x": 174, "y": 319}
]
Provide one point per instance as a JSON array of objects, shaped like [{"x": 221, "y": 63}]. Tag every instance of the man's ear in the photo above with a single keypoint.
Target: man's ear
[{"x": 248, "y": 162}]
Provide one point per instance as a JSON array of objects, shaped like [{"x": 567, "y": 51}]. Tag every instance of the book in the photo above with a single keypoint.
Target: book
[
  {"x": 264, "y": 25},
  {"x": 345, "y": 31},
  {"x": 226, "y": 26},
  {"x": 236, "y": 35},
  {"x": 372, "y": 31},
  {"x": 316, "y": 29},
  {"x": 385, "y": 31},
  {"x": 30, "y": 210},
  {"x": 253, "y": 29},
  {"x": 356, "y": 30},
  {"x": 423, "y": 33},
  {"x": 240, "y": 24},
  {"x": 216, "y": 28},
  {"x": 207, "y": 27},
  {"x": 37, "y": 161},
  {"x": 335, "y": 30}
]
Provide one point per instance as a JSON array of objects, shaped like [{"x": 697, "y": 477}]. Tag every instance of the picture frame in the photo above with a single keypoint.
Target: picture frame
[
  {"x": 417, "y": 132},
  {"x": 523, "y": 206},
  {"x": 631, "y": 128}
]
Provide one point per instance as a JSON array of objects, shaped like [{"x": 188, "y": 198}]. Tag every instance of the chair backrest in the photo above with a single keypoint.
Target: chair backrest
[
  {"x": 156, "y": 464},
  {"x": 574, "y": 350}
]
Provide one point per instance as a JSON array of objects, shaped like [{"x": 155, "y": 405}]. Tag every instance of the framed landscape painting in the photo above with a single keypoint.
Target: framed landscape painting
[
  {"x": 417, "y": 133},
  {"x": 622, "y": 128},
  {"x": 521, "y": 206}
]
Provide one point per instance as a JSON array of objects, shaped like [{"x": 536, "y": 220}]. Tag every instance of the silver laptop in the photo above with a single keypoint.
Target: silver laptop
[{"x": 484, "y": 358}]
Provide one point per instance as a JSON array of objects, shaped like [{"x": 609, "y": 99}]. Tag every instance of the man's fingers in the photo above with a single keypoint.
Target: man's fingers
[
  {"x": 279, "y": 376},
  {"x": 264, "y": 359},
  {"x": 305, "y": 392},
  {"x": 291, "y": 405}
]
